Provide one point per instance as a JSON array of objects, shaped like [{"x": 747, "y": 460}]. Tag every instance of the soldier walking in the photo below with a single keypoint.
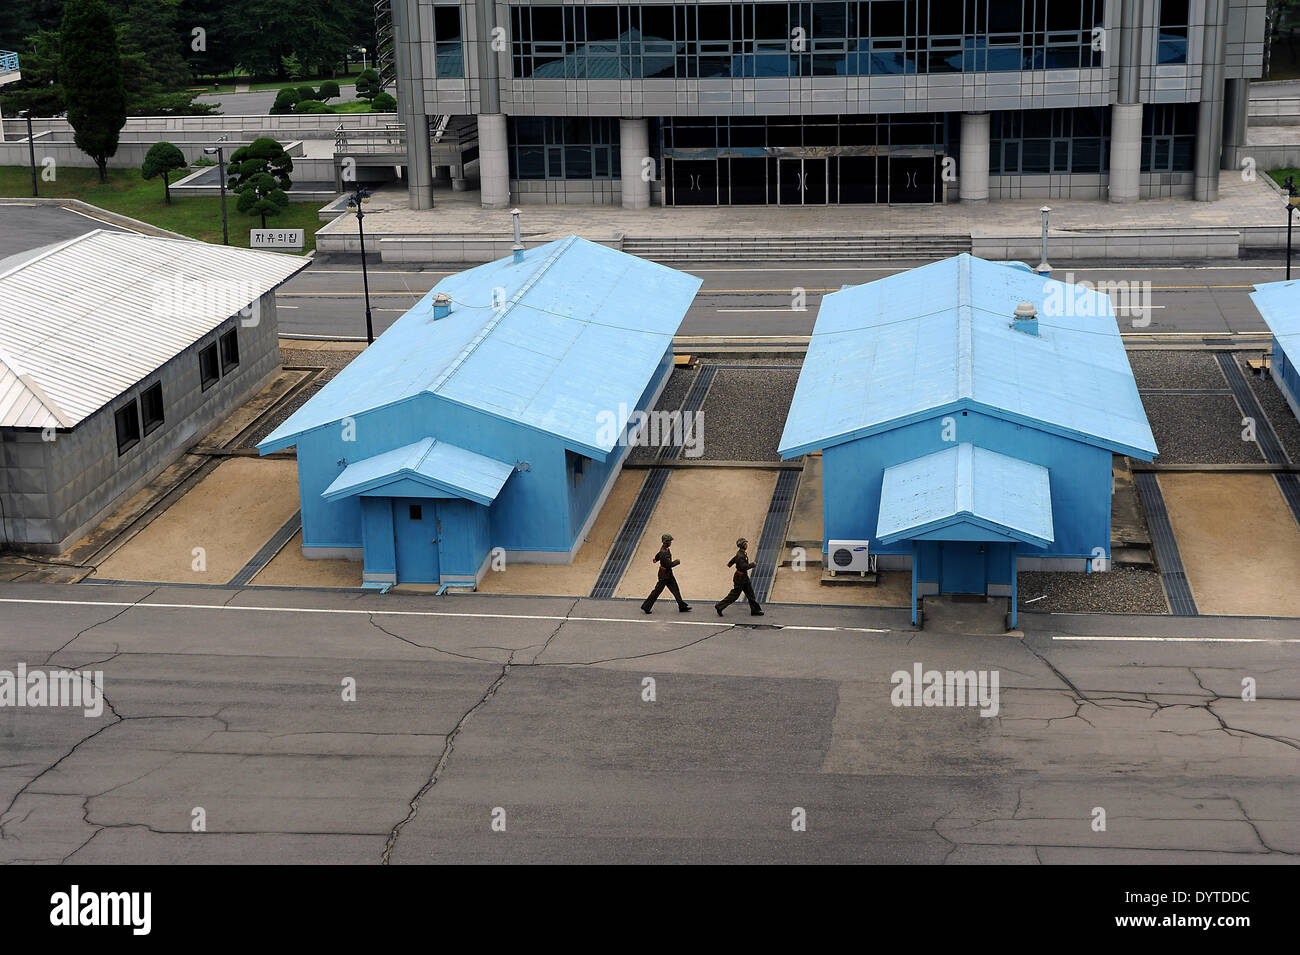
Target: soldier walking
[
  {"x": 740, "y": 583},
  {"x": 666, "y": 579}
]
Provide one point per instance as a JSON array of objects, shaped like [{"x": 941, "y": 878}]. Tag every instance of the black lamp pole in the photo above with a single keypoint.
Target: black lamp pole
[
  {"x": 221, "y": 172},
  {"x": 361, "y": 194},
  {"x": 1292, "y": 197},
  {"x": 31, "y": 147}
]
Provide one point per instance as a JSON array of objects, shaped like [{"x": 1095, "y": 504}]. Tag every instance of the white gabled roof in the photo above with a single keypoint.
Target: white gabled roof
[{"x": 84, "y": 321}]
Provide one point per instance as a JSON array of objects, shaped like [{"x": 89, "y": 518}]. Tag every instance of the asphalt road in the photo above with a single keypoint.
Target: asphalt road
[
  {"x": 325, "y": 300},
  {"x": 531, "y": 712}
]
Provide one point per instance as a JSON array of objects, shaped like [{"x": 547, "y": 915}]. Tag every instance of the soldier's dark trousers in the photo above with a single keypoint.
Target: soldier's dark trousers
[
  {"x": 671, "y": 583},
  {"x": 742, "y": 586}
]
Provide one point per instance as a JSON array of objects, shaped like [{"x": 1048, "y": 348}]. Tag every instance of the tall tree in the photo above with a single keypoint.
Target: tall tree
[
  {"x": 151, "y": 46},
  {"x": 91, "y": 71}
]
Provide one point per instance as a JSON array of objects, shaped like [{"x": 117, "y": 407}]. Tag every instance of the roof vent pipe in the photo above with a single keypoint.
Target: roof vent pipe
[
  {"x": 441, "y": 305},
  {"x": 519, "y": 245},
  {"x": 1025, "y": 318}
]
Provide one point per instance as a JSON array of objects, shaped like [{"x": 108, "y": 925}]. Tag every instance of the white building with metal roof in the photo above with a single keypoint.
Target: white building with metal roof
[{"x": 117, "y": 352}]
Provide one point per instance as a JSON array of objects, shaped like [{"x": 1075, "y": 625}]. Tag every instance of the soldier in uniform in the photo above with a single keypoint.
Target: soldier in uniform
[
  {"x": 666, "y": 579},
  {"x": 740, "y": 581}
]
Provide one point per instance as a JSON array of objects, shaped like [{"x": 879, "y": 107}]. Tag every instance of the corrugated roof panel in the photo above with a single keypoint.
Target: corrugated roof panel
[
  {"x": 961, "y": 482},
  {"x": 88, "y": 319},
  {"x": 939, "y": 334},
  {"x": 578, "y": 329},
  {"x": 1279, "y": 305}
]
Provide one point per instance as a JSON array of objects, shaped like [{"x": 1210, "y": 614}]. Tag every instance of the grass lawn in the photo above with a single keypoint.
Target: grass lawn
[
  {"x": 130, "y": 195},
  {"x": 1279, "y": 175}
]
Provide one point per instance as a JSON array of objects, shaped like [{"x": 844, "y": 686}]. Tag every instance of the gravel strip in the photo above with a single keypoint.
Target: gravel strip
[
  {"x": 1122, "y": 590},
  {"x": 674, "y": 393},
  {"x": 1279, "y": 413},
  {"x": 1199, "y": 429},
  {"x": 744, "y": 414},
  {"x": 1176, "y": 369}
]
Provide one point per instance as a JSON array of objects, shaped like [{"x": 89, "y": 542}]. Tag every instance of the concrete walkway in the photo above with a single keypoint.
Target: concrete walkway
[{"x": 460, "y": 214}]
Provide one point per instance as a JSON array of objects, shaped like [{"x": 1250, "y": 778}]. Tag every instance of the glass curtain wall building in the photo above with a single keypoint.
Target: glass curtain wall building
[{"x": 851, "y": 101}]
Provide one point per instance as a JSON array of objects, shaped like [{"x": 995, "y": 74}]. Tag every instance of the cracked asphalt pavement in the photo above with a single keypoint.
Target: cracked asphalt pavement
[{"x": 498, "y": 729}]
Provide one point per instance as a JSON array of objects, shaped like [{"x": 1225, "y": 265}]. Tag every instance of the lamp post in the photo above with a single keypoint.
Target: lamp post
[
  {"x": 363, "y": 59},
  {"x": 1043, "y": 267},
  {"x": 1292, "y": 201},
  {"x": 360, "y": 195},
  {"x": 220, "y": 152},
  {"x": 31, "y": 146}
]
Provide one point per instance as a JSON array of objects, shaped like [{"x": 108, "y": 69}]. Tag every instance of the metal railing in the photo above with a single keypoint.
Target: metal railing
[
  {"x": 385, "y": 52},
  {"x": 8, "y": 61}
]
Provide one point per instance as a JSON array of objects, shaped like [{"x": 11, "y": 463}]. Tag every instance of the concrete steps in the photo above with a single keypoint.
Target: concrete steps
[{"x": 802, "y": 247}]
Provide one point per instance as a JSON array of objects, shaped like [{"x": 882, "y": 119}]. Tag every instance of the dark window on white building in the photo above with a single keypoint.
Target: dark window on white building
[
  {"x": 209, "y": 367},
  {"x": 127, "y": 420},
  {"x": 151, "y": 407},
  {"x": 229, "y": 350}
]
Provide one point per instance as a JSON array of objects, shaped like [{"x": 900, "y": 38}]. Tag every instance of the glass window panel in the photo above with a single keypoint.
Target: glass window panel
[
  {"x": 887, "y": 18},
  {"x": 1035, "y": 155},
  {"x": 530, "y": 162}
]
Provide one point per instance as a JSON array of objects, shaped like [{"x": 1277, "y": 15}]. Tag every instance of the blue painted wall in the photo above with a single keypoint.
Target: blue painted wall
[
  {"x": 1284, "y": 369},
  {"x": 852, "y": 474},
  {"x": 525, "y": 516}
]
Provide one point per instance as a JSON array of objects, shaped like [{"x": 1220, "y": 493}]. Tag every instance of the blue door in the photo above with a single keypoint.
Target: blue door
[
  {"x": 961, "y": 568},
  {"x": 416, "y": 532}
]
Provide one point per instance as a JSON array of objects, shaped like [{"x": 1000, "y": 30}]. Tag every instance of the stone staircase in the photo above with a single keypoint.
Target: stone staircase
[{"x": 803, "y": 248}]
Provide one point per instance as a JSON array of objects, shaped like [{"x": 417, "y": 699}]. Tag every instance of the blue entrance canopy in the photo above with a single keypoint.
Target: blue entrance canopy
[
  {"x": 437, "y": 466},
  {"x": 966, "y": 493}
]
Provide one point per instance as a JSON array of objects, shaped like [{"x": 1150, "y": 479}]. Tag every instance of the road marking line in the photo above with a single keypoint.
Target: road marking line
[
  {"x": 1181, "y": 639},
  {"x": 400, "y": 613}
]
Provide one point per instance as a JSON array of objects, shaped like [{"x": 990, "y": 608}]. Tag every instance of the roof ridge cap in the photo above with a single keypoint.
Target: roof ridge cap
[
  {"x": 459, "y": 361},
  {"x": 965, "y": 330}
]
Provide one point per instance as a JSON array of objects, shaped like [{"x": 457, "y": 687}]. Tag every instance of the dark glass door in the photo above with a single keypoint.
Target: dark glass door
[
  {"x": 814, "y": 182},
  {"x": 791, "y": 181},
  {"x": 911, "y": 179},
  {"x": 695, "y": 182}
]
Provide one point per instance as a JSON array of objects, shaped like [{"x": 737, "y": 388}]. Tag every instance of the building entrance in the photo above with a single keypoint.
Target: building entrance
[{"x": 803, "y": 180}]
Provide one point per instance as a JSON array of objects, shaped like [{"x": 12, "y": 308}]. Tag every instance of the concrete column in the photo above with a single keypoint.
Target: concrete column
[
  {"x": 973, "y": 164},
  {"x": 493, "y": 164},
  {"x": 1209, "y": 116},
  {"x": 633, "y": 149},
  {"x": 458, "y": 182},
  {"x": 1126, "y": 111},
  {"x": 410, "y": 103},
  {"x": 1125, "y": 152},
  {"x": 1236, "y": 112}
]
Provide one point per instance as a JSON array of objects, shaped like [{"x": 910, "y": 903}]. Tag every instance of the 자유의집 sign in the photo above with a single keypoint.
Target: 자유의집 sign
[{"x": 275, "y": 238}]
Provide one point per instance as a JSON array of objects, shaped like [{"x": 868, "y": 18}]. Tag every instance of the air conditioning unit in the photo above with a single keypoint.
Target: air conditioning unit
[{"x": 848, "y": 557}]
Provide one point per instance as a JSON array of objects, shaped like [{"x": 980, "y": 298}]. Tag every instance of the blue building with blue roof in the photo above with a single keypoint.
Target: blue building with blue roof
[
  {"x": 493, "y": 414},
  {"x": 967, "y": 413},
  {"x": 1279, "y": 304}
]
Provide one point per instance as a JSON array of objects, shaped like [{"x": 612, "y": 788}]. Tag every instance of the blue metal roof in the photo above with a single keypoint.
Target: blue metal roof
[
  {"x": 574, "y": 330},
  {"x": 937, "y": 337},
  {"x": 438, "y": 465},
  {"x": 992, "y": 496},
  {"x": 1279, "y": 304}
]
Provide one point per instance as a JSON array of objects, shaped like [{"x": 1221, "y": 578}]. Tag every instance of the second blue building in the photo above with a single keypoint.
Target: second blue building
[{"x": 967, "y": 412}]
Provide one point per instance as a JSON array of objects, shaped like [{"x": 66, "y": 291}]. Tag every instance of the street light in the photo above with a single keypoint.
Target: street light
[
  {"x": 31, "y": 146},
  {"x": 363, "y": 59},
  {"x": 1292, "y": 202},
  {"x": 1043, "y": 267},
  {"x": 360, "y": 195},
  {"x": 220, "y": 152}
]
